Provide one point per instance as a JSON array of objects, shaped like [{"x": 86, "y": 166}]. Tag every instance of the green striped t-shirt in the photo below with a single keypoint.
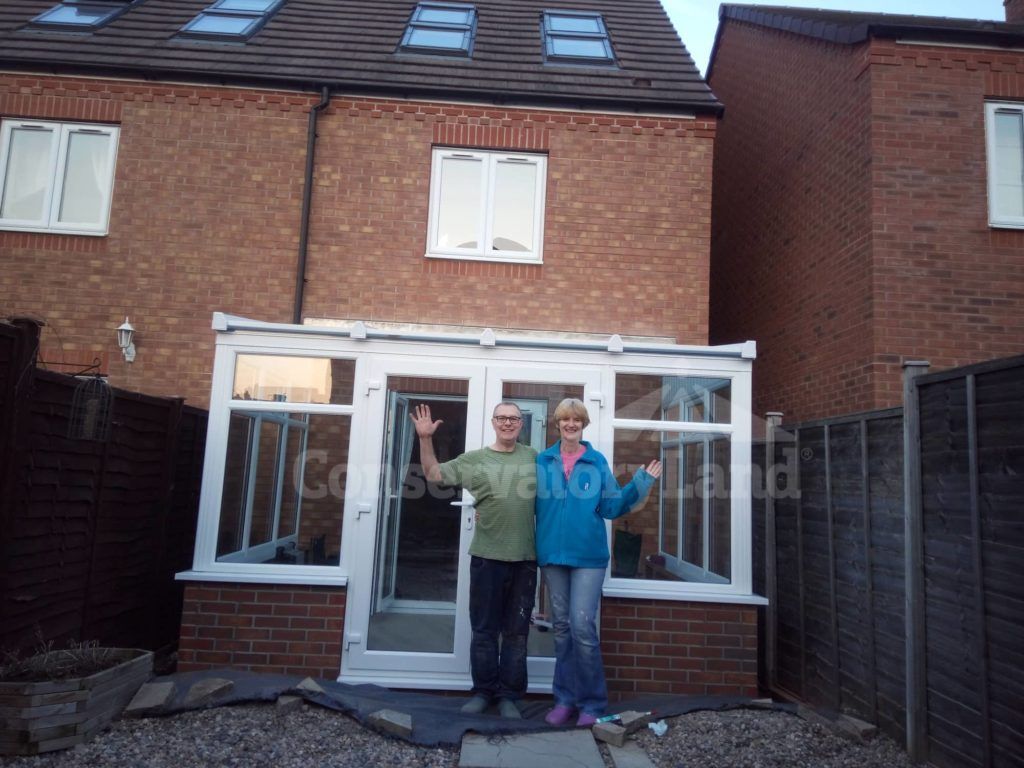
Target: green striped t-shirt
[{"x": 504, "y": 486}]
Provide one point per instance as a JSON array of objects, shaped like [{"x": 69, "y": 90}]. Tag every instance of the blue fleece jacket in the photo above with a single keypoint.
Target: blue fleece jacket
[{"x": 571, "y": 513}]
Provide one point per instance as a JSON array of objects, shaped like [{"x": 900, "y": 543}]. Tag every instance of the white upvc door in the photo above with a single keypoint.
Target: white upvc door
[{"x": 407, "y": 617}]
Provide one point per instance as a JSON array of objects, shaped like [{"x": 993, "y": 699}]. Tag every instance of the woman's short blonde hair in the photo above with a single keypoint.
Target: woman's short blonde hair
[{"x": 571, "y": 406}]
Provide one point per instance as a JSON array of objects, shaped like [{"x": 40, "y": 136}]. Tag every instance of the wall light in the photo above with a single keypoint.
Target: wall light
[{"x": 125, "y": 334}]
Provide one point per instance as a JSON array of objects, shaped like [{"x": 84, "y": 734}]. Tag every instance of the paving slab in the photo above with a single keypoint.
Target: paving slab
[
  {"x": 206, "y": 690},
  {"x": 151, "y": 697},
  {"x": 547, "y": 749},
  {"x": 630, "y": 755}
]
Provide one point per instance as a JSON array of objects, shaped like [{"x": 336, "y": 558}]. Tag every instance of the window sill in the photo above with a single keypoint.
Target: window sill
[
  {"x": 50, "y": 231},
  {"x": 325, "y": 580},
  {"x": 497, "y": 259},
  {"x": 652, "y": 592},
  {"x": 1006, "y": 224}
]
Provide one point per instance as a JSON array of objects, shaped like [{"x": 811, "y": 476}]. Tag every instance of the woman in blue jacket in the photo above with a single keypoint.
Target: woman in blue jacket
[{"x": 576, "y": 493}]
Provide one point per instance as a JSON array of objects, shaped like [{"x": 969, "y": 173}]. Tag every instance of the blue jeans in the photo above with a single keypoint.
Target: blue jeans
[
  {"x": 579, "y": 672},
  {"x": 500, "y": 603}
]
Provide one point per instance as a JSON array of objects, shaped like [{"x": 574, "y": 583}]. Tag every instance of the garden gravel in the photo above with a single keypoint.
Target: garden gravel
[{"x": 261, "y": 736}]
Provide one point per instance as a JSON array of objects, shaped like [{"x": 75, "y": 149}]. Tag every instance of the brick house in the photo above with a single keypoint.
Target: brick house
[
  {"x": 867, "y": 205},
  {"x": 448, "y": 203}
]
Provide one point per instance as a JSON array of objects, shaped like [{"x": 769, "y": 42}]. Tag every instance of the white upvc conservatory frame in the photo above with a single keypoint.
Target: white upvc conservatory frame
[{"x": 359, "y": 342}]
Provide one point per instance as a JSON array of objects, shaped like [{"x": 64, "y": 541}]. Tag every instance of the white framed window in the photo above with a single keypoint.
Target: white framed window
[
  {"x": 486, "y": 205},
  {"x": 57, "y": 177},
  {"x": 1004, "y": 143},
  {"x": 692, "y": 533}
]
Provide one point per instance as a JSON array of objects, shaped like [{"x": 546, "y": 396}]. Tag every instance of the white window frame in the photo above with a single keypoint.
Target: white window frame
[
  {"x": 738, "y": 431},
  {"x": 991, "y": 109},
  {"x": 60, "y": 140},
  {"x": 258, "y": 553},
  {"x": 490, "y": 161}
]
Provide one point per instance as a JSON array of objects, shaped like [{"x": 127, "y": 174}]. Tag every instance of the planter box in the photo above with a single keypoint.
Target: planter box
[{"x": 42, "y": 717}]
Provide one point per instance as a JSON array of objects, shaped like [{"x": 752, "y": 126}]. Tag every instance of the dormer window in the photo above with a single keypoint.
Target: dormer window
[
  {"x": 445, "y": 28},
  {"x": 231, "y": 19},
  {"x": 76, "y": 15},
  {"x": 576, "y": 37}
]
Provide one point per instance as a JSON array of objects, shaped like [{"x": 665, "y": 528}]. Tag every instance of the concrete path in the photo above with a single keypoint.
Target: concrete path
[{"x": 549, "y": 749}]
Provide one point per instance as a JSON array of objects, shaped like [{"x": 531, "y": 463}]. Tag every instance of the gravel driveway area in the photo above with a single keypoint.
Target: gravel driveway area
[{"x": 259, "y": 736}]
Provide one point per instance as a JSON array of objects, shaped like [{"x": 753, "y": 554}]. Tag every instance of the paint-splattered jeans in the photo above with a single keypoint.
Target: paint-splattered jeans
[
  {"x": 500, "y": 603},
  {"x": 579, "y": 672}
]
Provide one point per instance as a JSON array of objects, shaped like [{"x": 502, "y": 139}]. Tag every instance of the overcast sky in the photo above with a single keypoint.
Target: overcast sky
[{"x": 697, "y": 20}]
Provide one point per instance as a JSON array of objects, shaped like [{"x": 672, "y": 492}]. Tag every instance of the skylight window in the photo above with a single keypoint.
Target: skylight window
[
  {"x": 72, "y": 14},
  {"x": 231, "y": 19},
  {"x": 445, "y": 28},
  {"x": 576, "y": 36}
]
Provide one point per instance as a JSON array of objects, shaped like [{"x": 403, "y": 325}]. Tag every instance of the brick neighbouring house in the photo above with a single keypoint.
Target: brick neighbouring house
[
  {"x": 198, "y": 142},
  {"x": 851, "y": 217}
]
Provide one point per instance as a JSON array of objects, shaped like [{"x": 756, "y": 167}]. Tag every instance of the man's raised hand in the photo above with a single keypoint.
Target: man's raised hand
[{"x": 423, "y": 421}]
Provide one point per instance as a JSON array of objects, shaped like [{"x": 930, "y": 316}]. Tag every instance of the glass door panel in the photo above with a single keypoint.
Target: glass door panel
[{"x": 418, "y": 536}]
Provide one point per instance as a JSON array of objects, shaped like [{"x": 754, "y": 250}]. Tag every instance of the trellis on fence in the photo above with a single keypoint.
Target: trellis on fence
[{"x": 93, "y": 524}]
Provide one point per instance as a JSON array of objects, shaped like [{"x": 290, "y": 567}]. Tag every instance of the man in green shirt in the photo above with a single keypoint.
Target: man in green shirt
[{"x": 502, "y": 478}]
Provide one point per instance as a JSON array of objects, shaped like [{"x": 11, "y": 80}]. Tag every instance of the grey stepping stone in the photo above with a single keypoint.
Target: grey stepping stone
[
  {"x": 610, "y": 733},
  {"x": 152, "y": 697},
  {"x": 388, "y": 720},
  {"x": 630, "y": 755},
  {"x": 310, "y": 685},
  {"x": 550, "y": 749},
  {"x": 289, "y": 703},
  {"x": 207, "y": 690},
  {"x": 634, "y": 721}
]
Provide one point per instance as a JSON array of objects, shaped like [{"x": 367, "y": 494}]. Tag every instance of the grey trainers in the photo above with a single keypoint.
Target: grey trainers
[
  {"x": 476, "y": 705},
  {"x": 509, "y": 710}
]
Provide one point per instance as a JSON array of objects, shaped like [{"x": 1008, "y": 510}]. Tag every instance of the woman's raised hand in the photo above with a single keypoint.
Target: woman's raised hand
[{"x": 654, "y": 469}]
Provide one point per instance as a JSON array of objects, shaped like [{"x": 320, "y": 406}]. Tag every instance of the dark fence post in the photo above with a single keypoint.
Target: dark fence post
[
  {"x": 914, "y": 563},
  {"x": 979, "y": 573},
  {"x": 771, "y": 584}
]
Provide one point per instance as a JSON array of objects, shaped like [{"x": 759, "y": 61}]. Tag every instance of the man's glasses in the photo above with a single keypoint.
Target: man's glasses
[{"x": 508, "y": 419}]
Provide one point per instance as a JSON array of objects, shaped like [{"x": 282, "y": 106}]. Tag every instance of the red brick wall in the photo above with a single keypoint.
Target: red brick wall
[
  {"x": 949, "y": 289},
  {"x": 850, "y": 228},
  {"x": 285, "y": 629},
  {"x": 791, "y": 218},
  {"x": 206, "y": 212},
  {"x": 655, "y": 646},
  {"x": 204, "y": 217}
]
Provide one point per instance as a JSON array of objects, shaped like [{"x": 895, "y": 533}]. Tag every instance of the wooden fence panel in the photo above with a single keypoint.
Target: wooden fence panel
[
  {"x": 840, "y": 562},
  {"x": 839, "y": 566},
  {"x": 972, "y": 457},
  {"x": 93, "y": 531},
  {"x": 885, "y": 503}
]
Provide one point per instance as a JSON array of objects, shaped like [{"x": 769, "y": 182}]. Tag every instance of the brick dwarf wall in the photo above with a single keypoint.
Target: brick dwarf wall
[
  {"x": 285, "y": 629},
  {"x": 649, "y": 646},
  {"x": 206, "y": 213},
  {"x": 657, "y": 646},
  {"x": 850, "y": 227}
]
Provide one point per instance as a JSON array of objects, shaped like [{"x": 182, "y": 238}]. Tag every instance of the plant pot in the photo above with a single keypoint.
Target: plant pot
[{"x": 57, "y": 714}]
